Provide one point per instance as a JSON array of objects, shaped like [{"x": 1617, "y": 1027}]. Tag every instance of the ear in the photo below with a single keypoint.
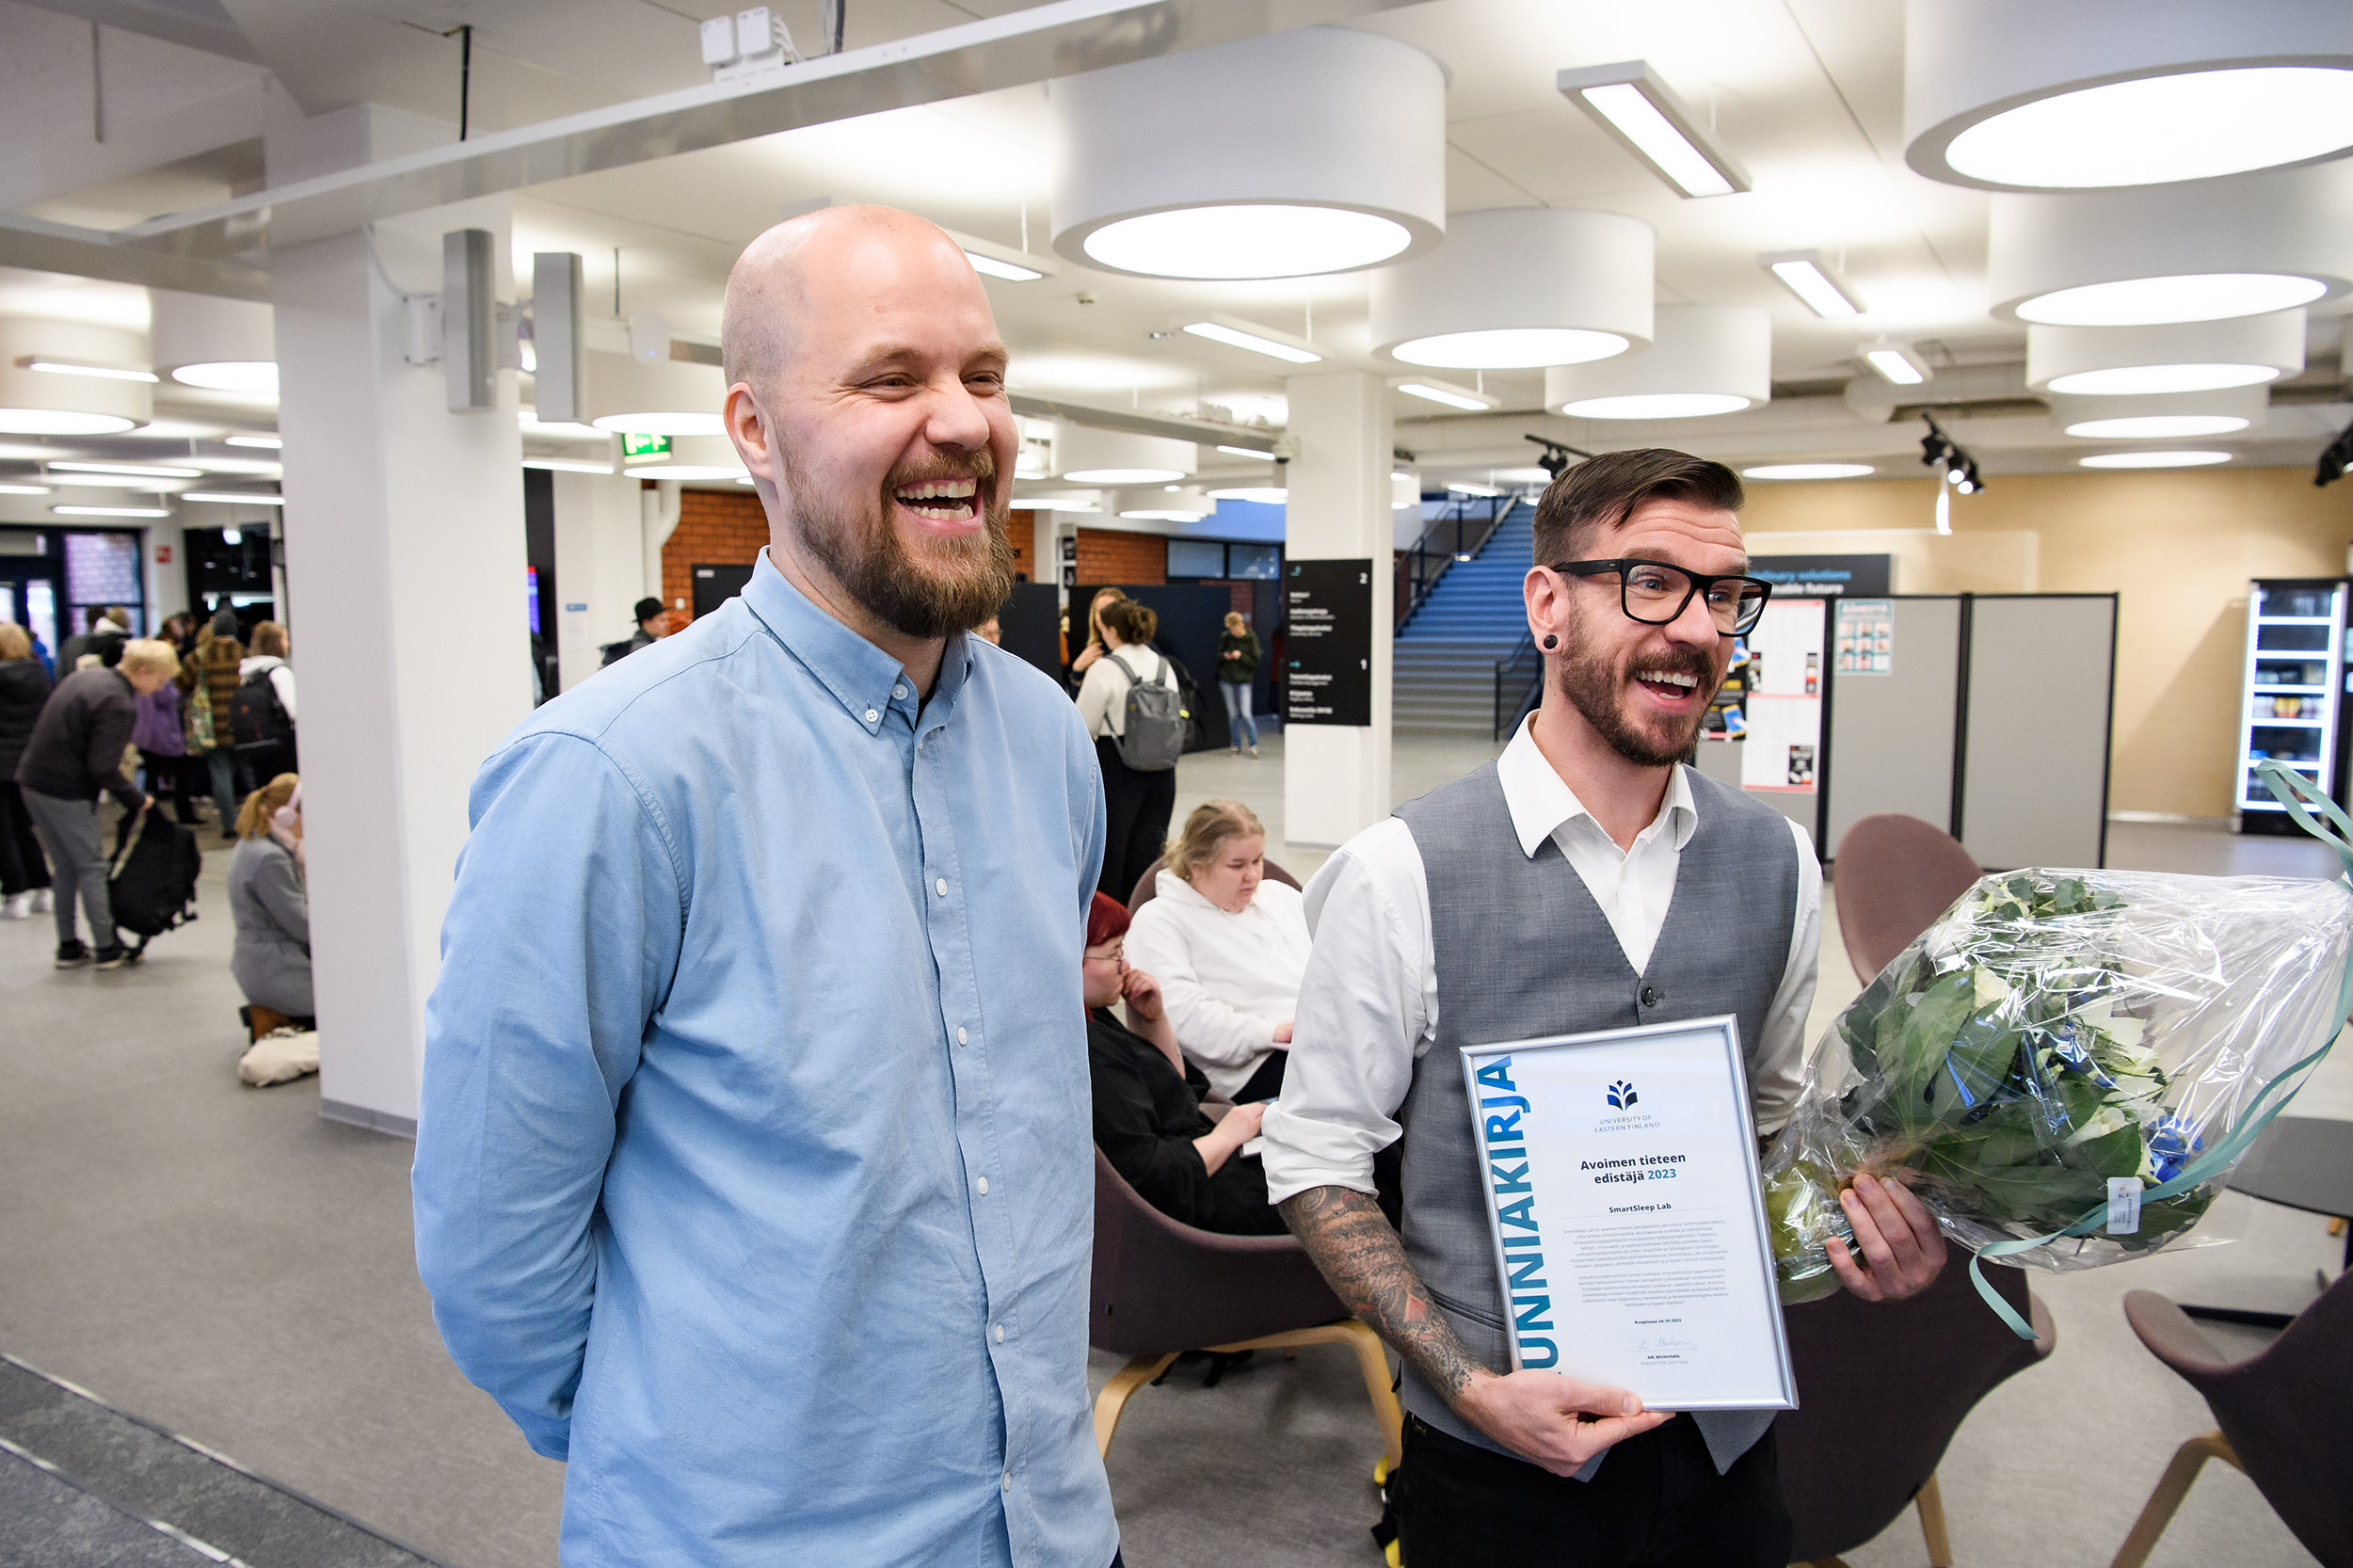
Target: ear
[
  {"x": 747, "y": 427},
  {"x": 1546, "y": 594}
]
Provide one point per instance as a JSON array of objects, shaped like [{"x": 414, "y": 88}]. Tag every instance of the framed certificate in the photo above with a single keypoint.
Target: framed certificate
[{"x": 1629, "y": 1224}]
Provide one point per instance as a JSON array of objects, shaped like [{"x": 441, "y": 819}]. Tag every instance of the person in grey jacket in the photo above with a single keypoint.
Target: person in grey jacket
[
  {"x": 75, "y": 752},
  {"x": 271, "y": 959}
]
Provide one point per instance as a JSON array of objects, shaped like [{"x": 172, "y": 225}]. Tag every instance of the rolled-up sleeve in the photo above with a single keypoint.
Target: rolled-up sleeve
[
  {"x": 1365, "y": 1013},
  {"x": 561, "y": 940},
  {"x": 1780, "y": 1069}
]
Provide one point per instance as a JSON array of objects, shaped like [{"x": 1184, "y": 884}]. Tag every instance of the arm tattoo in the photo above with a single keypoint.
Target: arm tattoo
[{"x": 1365, "y": 1263}]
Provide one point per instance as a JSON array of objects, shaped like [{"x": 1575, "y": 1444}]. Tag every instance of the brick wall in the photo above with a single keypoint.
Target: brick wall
[
  {"x": 1022, "y": 526},
  {"x": 714, "y": 528},
  {"x": 1131, "y": 560}
]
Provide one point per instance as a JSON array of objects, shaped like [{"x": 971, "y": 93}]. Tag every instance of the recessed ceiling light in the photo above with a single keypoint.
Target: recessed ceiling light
[
  {"x": 2157, "y": 130},
  {"x": 234, "y": 498},
  {"x": 232, "y": 376},
  {"x": 111, "y": 511},
  {"x": 1807, "y": 471},
  {"x": 2158, "y": 426},
  {"x": 2153, "y": 459},
  {"x": 141, "y": 471},
  {"x": 24, "y": 489},
  {"x": 2143, "y": 380},
  {"x": 662, "y": 423},
  {"x": 103, "y": 373},
  {"x": 2161, "y": 301},
  {"x": 1650, "y": 121},
  {"x": 989, "y": 267},
  {"x": 1450, "y": 398},
  {"x": 1656, "y": 406},
  {"x": 1805, "y": 275},
  {"x": 1896, "y": 365},
  {"x": 1123, "y": 475},
  {"x": 1266, "y": 495},
  {"x": 268, "y": 444},
  {"x": 1235, "y": 338},
  {"x": 113, "y": 481},
  {"x": 61, "y": 422},
  {"x": 1247, "y": 452}
]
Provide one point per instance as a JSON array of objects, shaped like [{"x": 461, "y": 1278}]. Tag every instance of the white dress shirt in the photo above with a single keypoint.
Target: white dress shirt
[{"x": 1368, "y": 1004}]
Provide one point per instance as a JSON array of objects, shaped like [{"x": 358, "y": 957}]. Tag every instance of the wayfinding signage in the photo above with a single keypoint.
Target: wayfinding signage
[{"x": 1327, "y": 627}]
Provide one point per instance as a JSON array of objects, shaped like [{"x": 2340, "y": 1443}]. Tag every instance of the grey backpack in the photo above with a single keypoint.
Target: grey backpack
[{"x": 1155, "y": 716}]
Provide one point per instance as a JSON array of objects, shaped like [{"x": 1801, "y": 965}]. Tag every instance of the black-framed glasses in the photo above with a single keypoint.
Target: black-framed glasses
[{"x": 1655, "y": 593}]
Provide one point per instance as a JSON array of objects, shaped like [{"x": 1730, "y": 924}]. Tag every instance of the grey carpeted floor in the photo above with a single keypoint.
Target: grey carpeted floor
[{"x": 223, "y": 1263}]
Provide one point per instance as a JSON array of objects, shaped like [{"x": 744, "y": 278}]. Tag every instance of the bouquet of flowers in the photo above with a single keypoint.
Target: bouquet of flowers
[{"x": 2053, "y": 1037}]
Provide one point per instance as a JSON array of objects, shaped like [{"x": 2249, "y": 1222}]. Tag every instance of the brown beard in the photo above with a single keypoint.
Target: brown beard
[
  {"x": 1596, "y": 689},
  {"x": 949, "y": 585}
]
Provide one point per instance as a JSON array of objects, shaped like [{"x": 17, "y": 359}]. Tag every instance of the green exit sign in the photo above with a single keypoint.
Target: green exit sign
[{"x": 640, "y": 448}]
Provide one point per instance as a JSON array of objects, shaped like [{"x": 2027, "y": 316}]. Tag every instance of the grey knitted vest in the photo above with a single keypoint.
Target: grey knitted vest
[{"x": 1523, "y": 950}]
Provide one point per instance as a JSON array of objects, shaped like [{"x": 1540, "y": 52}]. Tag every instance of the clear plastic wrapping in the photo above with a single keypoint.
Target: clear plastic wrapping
[{"x": 2052, "y": 1032}]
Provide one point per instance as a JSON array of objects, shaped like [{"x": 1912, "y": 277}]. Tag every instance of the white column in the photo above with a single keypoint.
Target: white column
[
  {"x": 404, "y": 527},
  {"x": 599, "y": 568},
  {"x": 1335, "y": 778}
]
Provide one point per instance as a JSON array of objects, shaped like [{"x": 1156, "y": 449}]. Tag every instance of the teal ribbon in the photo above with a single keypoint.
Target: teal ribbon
[{"x": 2297, "y": 794}]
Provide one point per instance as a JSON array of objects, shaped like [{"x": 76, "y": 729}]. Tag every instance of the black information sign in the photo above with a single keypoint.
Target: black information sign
[
  {"x": 1327, "y": 626},
  {"x": 1821, "y": 576}
]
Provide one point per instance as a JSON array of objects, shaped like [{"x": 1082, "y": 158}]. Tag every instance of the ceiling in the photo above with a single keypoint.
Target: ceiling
[{"x": 1806, "y": 93}]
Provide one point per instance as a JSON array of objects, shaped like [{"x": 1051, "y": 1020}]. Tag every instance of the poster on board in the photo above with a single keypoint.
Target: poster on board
[
  {"x": 1865, "y": 640},
  {"x": 1785, "y": 697}
]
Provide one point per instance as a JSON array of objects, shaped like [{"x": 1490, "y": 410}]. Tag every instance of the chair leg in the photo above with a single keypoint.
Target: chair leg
[
  {"x": 1371, "y": 1361},
  {"x": 1930, "y": 1502},
  {"x": 1115, "y": 1394},
  {"x": 2172, "y": 1488}
]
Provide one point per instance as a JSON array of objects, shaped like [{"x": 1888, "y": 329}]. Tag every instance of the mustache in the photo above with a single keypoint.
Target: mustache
[
  {"x": 1680, "y": 659},
  {"x": 979, "y": 465}
]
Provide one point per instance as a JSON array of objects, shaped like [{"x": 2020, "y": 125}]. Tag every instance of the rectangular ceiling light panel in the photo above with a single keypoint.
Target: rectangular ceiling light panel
[
  {"x": 1647, "y": 119},
  {"x": 1805, "y": 275},
  {"x": 1233, "y": 337},
  {"x": 1471, "y": 402}
]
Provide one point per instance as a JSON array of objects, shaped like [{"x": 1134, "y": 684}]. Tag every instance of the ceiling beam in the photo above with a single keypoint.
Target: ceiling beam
[
  {"x": 192, "y": 23},
  {"x": 1169, "y": 427},
  {"x": 1034, "y": 44},
  {"x": 40, "y": 245}
]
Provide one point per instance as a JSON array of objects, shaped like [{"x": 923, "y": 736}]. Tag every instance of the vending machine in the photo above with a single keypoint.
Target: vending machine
[{"x": 2294, "y": 692}]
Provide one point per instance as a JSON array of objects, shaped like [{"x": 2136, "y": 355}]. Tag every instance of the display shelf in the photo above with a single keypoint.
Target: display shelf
[
  {"x": 2295, "y": 620},
  {"x": 2314, "y": 668},
  {"x": 2289, "y": 690},
  {"x": 2289, "y": 724}
]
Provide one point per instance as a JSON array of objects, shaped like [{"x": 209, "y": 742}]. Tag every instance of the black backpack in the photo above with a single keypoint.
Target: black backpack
[
  {"x": 257, "y": 719},
  {"x": 151, "y": 883}
]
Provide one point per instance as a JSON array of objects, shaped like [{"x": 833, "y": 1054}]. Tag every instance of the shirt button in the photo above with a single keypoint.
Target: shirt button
[
  {"x": 1000, "y": 1334},
  {"x": 898, "y": 691},
  {"x": 1008, "y": 1483},
  {"x": 940, "y": 886},
  {"x": 984, "y": 1194},
  {"x": 962, "y": 1038},
  {"x": 871, "y": 716}
]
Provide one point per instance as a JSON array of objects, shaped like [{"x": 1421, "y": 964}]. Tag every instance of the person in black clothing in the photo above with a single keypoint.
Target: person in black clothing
[
  {"x": 24, "y": 688},
  {"x": 653, "y": 623},
  {"x": 1148, "y": 1120}
]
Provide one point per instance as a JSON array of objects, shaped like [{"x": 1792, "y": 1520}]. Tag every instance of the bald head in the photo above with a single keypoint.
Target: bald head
[{"x": 804, "y": 263}]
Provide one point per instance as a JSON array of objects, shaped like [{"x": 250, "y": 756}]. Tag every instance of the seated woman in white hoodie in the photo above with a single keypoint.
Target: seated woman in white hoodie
[{"x": 1229, "y": 948}]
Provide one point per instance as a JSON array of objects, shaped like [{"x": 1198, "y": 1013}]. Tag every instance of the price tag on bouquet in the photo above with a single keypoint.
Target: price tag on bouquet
[{"x": 1629, "y": 1225}]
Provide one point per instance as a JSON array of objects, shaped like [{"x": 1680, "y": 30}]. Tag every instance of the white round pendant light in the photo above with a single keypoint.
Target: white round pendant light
[
  {"x": 2153, "y": 459},
  {"x": 2138, "y": 362},
  {"x": 218, "y": 344},
  {"x": 1315, "y": 150},
  {"x": 2201, "y": 253},
  {"x": 1704, "y": 360},
  {"x": 2179, "y": 416},
  {"x": 65, "y": 378},
  {"x": 1086, "y": 456},
  {"x": 660, "y": 397},
  {"x": 1517, "y": 288},
  {"x": 2040, "y": 95}
]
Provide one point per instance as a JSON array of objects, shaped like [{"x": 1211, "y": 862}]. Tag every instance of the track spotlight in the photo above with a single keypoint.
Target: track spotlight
[
  {"x": 1957, "y": 467},
  {"x": 1557, "y": 455},
  {"x": 2337, "y": 461}
]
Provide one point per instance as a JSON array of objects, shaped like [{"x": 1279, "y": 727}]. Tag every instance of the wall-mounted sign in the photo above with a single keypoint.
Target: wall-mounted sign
[
  {"x": 1825, "y": 576},
  {"x": 639, "y": 447},
  {"x": 1327, "y": 662}
]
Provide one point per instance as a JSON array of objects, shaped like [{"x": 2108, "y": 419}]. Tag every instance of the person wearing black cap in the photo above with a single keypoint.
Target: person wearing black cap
[{"x": 654, "y": 624}]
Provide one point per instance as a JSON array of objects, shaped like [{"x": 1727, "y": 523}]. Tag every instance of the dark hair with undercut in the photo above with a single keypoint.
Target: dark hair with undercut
[
  {"x": 1600, "y": 493},
  {"x": 1133, "y": 622}
]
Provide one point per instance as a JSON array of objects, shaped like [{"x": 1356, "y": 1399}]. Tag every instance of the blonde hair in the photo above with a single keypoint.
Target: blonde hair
[
  {"x": 264, "y": 802},
  {"x": 269, "y": 637},
  {"x": 150, "y": 656},
  {"x": 1207, "y": 829},
  {"x": 15, "y": 642},
  {"x": 1235, "y": 623}
]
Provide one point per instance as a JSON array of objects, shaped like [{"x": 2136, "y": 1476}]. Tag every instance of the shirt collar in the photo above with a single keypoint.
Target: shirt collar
[
  {"x": 1542, "y": 803},
  {"x": 861, "y": 677}
]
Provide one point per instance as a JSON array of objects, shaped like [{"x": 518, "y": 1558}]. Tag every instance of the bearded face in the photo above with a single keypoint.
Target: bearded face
[
  {"x": 887, "y": 550},
  {"x": 1647, "y": 697}
]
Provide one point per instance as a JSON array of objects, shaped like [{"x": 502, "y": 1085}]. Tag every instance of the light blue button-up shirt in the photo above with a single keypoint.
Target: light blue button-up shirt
[{"x": 753, "y": 1169}]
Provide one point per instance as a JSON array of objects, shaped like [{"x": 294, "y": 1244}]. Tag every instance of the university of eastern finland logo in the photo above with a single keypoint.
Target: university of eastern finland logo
[{"x": 1622, "y": 1095}]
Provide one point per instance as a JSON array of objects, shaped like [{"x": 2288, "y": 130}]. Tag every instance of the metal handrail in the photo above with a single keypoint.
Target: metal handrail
[
  {"x": 1451, "y": 537},
  {"x": 1520, "y": 684}
]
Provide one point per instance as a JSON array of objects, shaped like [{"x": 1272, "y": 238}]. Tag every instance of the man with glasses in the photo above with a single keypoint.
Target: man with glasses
[{"x": 1589, "y": 879}]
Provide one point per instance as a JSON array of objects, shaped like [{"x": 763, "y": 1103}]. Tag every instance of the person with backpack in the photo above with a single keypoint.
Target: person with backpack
[
  {"x": 654, "y": 624},
  {"x": 76, "y": 751},
  {"x": 1134, "y": 708},
  {"x": 262, "y": 713}
]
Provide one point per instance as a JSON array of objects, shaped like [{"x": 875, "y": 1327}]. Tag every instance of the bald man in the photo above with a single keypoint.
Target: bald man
[{"x": 754, "y": 1173}]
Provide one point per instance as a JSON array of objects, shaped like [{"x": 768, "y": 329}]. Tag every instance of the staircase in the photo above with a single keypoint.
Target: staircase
[{"x": 1444, "y": 681}]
